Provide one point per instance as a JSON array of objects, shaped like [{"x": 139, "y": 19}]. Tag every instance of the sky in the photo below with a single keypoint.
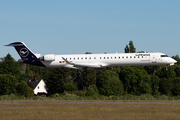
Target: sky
[{"x": 96, "y": 26}]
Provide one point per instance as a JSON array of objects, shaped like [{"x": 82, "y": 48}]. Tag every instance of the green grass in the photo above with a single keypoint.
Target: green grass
[{"x": 67, "y": 110}]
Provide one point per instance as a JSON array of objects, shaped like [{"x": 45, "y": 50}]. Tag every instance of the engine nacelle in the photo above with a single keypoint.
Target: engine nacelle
[{"x": 50, "y": 57}]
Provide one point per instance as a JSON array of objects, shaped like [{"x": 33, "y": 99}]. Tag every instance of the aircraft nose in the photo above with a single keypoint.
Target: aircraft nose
[{"x": 172, "y": 61}]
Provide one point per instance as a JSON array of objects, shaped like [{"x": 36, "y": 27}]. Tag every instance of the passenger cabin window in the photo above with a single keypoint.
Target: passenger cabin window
[
  {"x": 100, "y": 57},
  {"x": 89, "y": 57},
  {"x": 119, "y": 57},
  {"x": 123, "y": 57},
  {"x": 111, "y": 57},
  {"x": 126, "y": 56},
  {"x": 134, "y": 56},
  {"x": 85, "y": 57},
  {"x": 70, "y": 58},
  {"x": 104, "y": 57},
  {"x": 107, "y": 57},
  {"x": 115, "y": 57},
  {"x": 94, "y": 57},
  {"x": 130, "y": 56},
  {"x": 82, "y": 58}
]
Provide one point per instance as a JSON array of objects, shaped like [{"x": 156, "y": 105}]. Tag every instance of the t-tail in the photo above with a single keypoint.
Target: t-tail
[{"x": 27, "y": 56}]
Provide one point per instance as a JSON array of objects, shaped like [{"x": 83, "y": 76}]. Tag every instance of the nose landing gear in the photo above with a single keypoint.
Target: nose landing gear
[{"x": 166, "y": 67}]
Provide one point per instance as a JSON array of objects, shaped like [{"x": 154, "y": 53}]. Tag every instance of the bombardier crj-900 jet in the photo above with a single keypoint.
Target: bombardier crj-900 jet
[{"x": 80, "y": 61}]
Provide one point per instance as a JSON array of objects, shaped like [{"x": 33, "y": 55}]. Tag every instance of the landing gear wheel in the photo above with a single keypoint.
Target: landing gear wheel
[{"x": 166, "y": 67}]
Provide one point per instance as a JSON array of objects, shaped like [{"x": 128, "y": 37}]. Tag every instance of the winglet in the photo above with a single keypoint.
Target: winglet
[{"x": 67, "y": 61}]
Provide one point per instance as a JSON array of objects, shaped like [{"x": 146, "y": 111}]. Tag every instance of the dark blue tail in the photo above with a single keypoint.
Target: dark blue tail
[{"x": 27, "y": 56}]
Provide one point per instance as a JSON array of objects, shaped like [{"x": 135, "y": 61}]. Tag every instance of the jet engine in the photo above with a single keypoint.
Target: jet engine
[{"x": 50, "y": 57}]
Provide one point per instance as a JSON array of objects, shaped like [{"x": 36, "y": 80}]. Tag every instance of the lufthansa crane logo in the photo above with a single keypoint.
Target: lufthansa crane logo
[{"x": 24, "y": 52}]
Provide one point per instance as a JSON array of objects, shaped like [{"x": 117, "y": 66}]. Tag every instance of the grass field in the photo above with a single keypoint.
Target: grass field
[{"x": 99, "y": 110}]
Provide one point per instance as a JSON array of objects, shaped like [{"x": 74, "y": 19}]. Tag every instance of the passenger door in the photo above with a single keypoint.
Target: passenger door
[{"x": 153, "y": 59}]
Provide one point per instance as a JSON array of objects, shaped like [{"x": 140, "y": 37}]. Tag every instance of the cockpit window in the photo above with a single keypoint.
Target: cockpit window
[{"x": 164, "y": 55}]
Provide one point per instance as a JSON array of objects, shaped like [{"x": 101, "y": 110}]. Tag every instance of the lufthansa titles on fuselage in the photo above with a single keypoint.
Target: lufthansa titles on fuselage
[{"x": 142, "y": 54}]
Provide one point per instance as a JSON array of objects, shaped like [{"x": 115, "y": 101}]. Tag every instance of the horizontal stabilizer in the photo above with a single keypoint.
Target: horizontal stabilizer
[{"x": 16, "y": 44}]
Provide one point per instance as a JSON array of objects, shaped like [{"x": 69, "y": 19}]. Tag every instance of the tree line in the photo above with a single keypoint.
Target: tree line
[{"x": 109, "y": 81}]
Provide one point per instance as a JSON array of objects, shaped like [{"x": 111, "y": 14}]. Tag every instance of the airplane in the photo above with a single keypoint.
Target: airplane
[{"x": 80, "y": 61}]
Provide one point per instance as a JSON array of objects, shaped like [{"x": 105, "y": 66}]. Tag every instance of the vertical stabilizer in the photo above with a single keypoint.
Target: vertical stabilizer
[{"x": 27, "y": 56}]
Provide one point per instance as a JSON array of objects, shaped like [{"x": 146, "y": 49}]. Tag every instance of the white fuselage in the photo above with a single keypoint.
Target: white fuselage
[
  {"x": 106, "y": 60},
  {"x": 79, "y": 61}
]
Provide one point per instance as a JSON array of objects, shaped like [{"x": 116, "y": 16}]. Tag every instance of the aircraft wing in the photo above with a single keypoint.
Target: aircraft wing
[
  {"x": 87, "y": 65},
  {"x": 82, "y": 65}
]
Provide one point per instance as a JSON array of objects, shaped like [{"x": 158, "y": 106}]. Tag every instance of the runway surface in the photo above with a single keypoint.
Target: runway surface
[{"x": 95, "y": 102}]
